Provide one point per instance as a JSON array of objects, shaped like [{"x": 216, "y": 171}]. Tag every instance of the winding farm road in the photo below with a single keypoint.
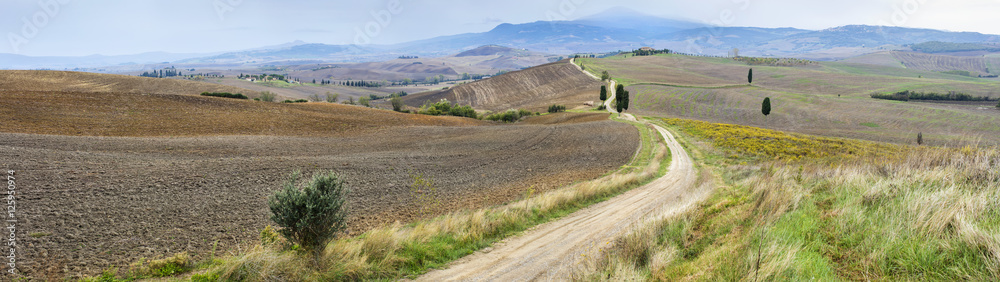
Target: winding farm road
[{"x": 554, "y": 250}]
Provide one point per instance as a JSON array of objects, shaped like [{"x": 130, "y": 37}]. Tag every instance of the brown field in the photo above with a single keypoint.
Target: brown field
[
  {"x": 532, "y": 89},
  {"x": 80, "y": 82},
  {"x": 110, "y": 178},
  {"x": 303, "y": 91},
  {"x": 830, "y": 99},
  {"x": 119, "y": 114}
]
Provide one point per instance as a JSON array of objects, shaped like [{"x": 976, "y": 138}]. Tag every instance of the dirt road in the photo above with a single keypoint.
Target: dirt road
[
  {"x": 553, "y": 250},
  {"x": 611, "y": 93}
]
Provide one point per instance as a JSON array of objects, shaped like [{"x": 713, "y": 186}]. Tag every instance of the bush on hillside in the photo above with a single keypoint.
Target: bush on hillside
[
  {"x": 397, "y": 103},
  {"x": 312, "y": 215},
  {"x": 267, "y": 96},
  {"x": 225, "y": 95},
  {"x": 508, "y": 116},
  {"x": 463, "y": 111},
  {"x": 556, "y": 109}
]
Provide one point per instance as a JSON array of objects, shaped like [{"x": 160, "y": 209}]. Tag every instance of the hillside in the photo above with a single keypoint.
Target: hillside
[
  {"x": 831, "y": 99},
  {"x": 975, "y": 65},
  {"x": 67, "y": 103},
  {"x": 81, "y": 82},
  {"x": 201, "y": 169},
  {"x": 534, "y": 89}
]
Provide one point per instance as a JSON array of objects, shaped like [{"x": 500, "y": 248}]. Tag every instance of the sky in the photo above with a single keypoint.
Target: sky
[{"x": 119, "y": 27}]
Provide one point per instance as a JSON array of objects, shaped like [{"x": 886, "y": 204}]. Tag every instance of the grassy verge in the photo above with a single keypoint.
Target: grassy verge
[
  {"x": 398, "y": 251},
  {"x": 812, "y": 209}
]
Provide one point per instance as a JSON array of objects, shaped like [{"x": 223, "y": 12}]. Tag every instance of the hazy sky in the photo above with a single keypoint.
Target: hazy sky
[{"x": 116, "y": 27}]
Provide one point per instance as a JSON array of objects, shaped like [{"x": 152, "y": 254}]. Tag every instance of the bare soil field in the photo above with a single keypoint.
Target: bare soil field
[
  {"x": 109, "y": 178},
  {"x": 533, "y": 89},
  {"x": 93, "y": 202},
  {"x": 80, "y": 82},
  {"x": 123, "y": 114}
]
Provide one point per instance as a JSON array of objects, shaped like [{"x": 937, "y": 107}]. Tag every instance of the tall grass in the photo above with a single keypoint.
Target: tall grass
[
  {"x": 398, "y": 251},
  {"x": 927, "y": 213}
]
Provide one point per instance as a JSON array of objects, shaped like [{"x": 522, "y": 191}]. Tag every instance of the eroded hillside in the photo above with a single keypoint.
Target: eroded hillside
[{"x": 534, "y": 89}]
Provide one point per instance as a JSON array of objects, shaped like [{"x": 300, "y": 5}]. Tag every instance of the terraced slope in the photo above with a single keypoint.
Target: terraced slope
[
  {"x": 921, "y": 61},
  {"x": 534, "y": 89}
]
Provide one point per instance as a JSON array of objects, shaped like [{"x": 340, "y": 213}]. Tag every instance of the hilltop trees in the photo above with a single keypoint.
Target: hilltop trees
[{"x": 604, "y": 93}]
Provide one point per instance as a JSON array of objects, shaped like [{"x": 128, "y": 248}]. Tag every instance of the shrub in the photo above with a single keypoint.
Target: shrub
[
  {"x": 310, "y": 216},
  {"x": 508, "y": 116},
  {"x": 225, "y": 95},
  {"x": 267, "y": 96},
  {"x": 463, "y": 111},
  {"x": 365, "y": 101},
  {"x": 556, "y": 109},
  {"x": 315, "y": 98},
  {"x": 397, "y": 103},
  {"x": 332, "y": 98},
  {"x": 436, "y": 109}
]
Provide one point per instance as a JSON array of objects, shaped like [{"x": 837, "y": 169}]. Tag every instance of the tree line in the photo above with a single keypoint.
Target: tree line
[
  {"x": 907, "y": 95},
  {"x": 778, "y": 62},
  {"x": 168, "y": 72}
]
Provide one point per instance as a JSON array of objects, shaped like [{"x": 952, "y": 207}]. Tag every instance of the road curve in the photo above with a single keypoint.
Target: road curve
[{"x": 552, "y": 251}]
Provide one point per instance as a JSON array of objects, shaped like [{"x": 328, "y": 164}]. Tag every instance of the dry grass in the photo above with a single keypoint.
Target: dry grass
[{"x": 929, "y": 214}]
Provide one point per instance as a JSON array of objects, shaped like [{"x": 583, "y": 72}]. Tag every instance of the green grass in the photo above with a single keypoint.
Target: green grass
[
  {"x": 907, "y": 217},
  {"x": 870, "y": 124}
]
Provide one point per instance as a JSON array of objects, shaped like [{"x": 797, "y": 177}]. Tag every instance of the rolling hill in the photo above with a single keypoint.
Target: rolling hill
[
  {"x": 831, "y": 98},
  {"x": 975, "y": 65},
  {"x": 68, "y": 103}
]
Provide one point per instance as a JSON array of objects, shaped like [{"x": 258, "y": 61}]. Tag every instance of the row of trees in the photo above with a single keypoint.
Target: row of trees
[
  {"x": 170, "y": 72},
  {"x": 650, "y": 52},
  {"x": 907, "y": 95},
  {"x": 778, "y": 62}
]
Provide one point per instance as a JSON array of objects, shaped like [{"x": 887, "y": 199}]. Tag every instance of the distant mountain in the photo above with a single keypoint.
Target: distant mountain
[
  {"x": 611, "y": 30},
  {"x": 625, "y": 18},
  {"x": 13, "y": 61}
]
